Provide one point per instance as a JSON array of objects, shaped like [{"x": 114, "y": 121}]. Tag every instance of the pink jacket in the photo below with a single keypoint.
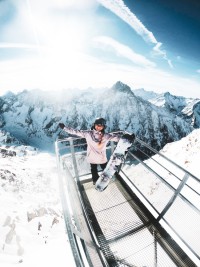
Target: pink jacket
[{"x": 96, "y": 150}]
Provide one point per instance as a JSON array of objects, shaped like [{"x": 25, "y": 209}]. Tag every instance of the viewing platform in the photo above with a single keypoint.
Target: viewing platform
[{"x": 148, "y": 216}]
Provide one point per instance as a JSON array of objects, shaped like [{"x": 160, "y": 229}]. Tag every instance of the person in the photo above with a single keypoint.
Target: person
[{"x": 96, "y": 139}]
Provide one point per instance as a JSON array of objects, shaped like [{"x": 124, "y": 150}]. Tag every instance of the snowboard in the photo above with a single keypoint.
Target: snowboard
[{"x": 116, "y": 159}]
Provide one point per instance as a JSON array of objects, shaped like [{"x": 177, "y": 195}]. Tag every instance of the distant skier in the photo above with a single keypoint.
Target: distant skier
[{"x": 97, "y": 140}]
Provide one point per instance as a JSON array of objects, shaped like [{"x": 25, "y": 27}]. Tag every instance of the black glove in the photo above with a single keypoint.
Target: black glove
[{"x": 61, "y": 125}]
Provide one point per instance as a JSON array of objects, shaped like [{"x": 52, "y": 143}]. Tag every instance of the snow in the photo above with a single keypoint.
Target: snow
[
  {"x": 186, "y": 153},
  {"x": 32, "y": 230}
]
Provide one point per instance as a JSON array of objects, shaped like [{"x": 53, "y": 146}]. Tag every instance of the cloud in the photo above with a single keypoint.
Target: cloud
[
  {"x": 158, "y": 52},
  {"x": 118, "y": 7},
  {"x": 83, "y": 72},
  {"x": 104, "y": 42},
  {"x": 198, "y": 71},
  {"x": 121, "y": 10}
]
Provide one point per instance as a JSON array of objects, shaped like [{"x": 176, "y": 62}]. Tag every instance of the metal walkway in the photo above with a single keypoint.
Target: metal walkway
[{"x": 149, "y": 216}]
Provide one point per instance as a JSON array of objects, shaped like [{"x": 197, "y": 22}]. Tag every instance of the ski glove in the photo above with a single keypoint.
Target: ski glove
[{"x": 61, "y": 125}]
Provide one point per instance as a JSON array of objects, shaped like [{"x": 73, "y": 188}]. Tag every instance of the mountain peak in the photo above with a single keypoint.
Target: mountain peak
[
  {"x": 121, "y": 87},
  {"x": 167, "y": 94}
]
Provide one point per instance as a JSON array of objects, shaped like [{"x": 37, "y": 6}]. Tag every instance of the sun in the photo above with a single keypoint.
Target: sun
[{"x": 64, "y": 42}]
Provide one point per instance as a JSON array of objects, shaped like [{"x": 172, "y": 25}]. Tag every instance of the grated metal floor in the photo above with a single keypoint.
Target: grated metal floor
[{"x": 121, "y": 228}]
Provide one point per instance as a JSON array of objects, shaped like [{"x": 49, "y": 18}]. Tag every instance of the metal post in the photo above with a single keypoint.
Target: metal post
[
  {"x": 155, "y": 250},
  {"x": 74, "y": 158},
  {"x": 177, "y": 192},
  {"x": 67, "y": 219}
]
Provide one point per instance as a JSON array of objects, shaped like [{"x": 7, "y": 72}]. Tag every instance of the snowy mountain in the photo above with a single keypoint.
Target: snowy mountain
[
  {"x": 33, "y": 116},
  {"x": 186, "y": 108}
]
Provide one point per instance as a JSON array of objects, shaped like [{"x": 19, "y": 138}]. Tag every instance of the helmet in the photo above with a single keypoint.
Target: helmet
[{"x": 100, "y": 121}]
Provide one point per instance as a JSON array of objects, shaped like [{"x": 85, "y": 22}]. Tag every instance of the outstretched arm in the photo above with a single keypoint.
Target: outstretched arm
[
  {"x": 71, "y": 130},
  {"x": 115, "y": 136}
]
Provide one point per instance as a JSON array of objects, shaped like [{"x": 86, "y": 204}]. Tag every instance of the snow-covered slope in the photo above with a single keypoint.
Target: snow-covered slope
[
  {"x": 31, "y": 222},
  {"x": 185, "y": 152},
  {"x": 33, "y": 116}
]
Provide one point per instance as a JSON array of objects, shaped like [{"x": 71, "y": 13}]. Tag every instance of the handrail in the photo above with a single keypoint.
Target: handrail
[
  {"x": 95, "y": 242},
  {"x": 165, "y": 182},
  {"x": 72, "y": 232},
  {"x": 77, "y": 258},
  {"x": 167, "y": 169},
  {"x": 163, "y": 156},
  {"x": 177, "y": 192}
]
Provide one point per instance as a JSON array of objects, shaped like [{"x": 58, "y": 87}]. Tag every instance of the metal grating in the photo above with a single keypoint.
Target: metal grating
[
  {"x": 113, "y": 211},
  {"x": 123, "y": 229},
  {"x": 136, "y": 249}
]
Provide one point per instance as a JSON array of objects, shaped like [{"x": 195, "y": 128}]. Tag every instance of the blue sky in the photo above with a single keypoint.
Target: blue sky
[{"x": 57, "y": 44}]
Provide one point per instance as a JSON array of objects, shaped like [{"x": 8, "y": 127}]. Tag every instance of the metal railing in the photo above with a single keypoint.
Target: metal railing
[
  {"x": 165, "y": 189},
  {"x": 84, "y": 245},
  {"x": 171, "y": 193}
]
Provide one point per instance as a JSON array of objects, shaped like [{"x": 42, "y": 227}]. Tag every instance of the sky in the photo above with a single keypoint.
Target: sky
[{"x": 59, "y": 44}]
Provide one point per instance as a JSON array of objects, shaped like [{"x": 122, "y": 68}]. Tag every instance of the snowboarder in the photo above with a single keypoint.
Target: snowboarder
[{"x": 97, "y": 140}]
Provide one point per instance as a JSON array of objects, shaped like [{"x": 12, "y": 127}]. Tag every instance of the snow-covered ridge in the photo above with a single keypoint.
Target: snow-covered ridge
[
  {"x": 147, "y": 95},
  {"x": 32, "y": 117},
  {"x": 187, "y": 108}
]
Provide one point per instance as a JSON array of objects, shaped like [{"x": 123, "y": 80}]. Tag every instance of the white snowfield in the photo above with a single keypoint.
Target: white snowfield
[{"x": 32, "y": 231}]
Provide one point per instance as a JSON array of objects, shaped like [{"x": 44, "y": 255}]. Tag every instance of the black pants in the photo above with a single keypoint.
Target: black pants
[{"x": 94, "y": 171}]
